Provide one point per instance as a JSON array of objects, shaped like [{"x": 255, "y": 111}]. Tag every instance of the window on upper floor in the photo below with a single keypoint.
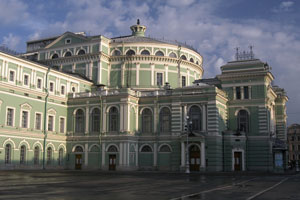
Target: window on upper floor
[
  {"x": 50, "y": 123},
  {"x": 183, "y": 57},
  {"x": 191, "y": 60},
  {"x": 243, "y": 121},
  {"x": 38, "y": 121},
  {"x": 238, "y": 92},
  {"x": 165, "y": 120},
  {"x": 11, "y": 76},
  {"x": 147, "y": 120},
  {"x": 146, "y": 148},
  {"x": 79, "y": 121},
  {"x": 159, "y": 53},
  {"x": 183, "y": 81},
  {"x": 39, "y": 83},
  {"x": 51, "y": 87},
  {"x": 25, "y": 116},
  {"x": 246, "y": 92},
  {"x": 159, "y": 79},
  {"x": 130, "y": 53},
  {"x": 145, "y": 52},
  {"x": 54, "y": 56},
  {"x": 81, "y": 52},
  {"x": 116, "y": 53},
  {"x": 68, "y": 41},
  {"x": 10, "y": 117},
  {"x": 26, "y": 80},
  {"x": 62, "y": 90},
  {"x": 195, "y": 117},
  {"x": 62, "y": 125},
  {"x": 68, "y": 54},
  {"x": 96, "y": 120},
  {"x": 113, "y": 119},
  {"x": 172, "y": 55}
]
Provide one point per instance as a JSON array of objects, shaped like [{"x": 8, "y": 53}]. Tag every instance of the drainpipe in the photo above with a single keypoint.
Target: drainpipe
[{"x": 45, "y": 116}]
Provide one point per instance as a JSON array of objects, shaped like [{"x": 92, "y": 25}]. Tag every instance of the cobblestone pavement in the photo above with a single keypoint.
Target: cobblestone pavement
[{"x": 145, "y": 185}]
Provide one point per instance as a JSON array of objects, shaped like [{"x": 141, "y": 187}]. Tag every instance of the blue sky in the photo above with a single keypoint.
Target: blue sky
[{"x": 214, "y": 27}]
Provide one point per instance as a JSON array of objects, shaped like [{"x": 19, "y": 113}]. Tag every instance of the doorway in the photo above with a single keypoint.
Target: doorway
[
  {"x": 194, "y": 158},
  {"x": 237, "y": 161},
  {"x": 78, "y": 161},
  {"x": 112, "y": 162}
]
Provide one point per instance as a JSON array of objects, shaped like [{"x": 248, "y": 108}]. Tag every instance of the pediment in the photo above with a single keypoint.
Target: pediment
[
  {"x": 61, "y": 41},
  {"x": 26, "y": 106},
  {"x": 51, "y": 111}
]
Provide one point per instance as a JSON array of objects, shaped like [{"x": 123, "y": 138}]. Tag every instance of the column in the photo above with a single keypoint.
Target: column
[
  {"x": 203, "y": 117},
  {"x": 137, "y": 74},
  {"x": 242, "y": 92},
  {"x": 99, "y": 74},
  {"x": 73, "y": 67},
  {"x": 155, "y": 117},
  {"x": 91, "y": 70},
  {"x": 152, "y": 74},
  {"x": 122, "y": 118},
  {"x": 108, "y": 72},
  {"x": 103, "y": 154},
  {"x": 182, "y": 154},
  {"x": 136, "y": 155},
  {"x": 86, "y": 154},
  {"x": 123, "y": 74},
  {"x": 104, "y": 118},
  {"x": 155, "y": 155},
  {"x": 87, "y": 69},
  {"x": 203, "y": 160},
  {"x": 121, "y": 154},
  {"x": 167, "y": 72},
  {"x": 87, "y": 116},
  {"x": 6, "y": 69}
]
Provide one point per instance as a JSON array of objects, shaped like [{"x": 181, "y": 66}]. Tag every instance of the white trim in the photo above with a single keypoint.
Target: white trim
[
  {"x": 14, "y": 115},
  {"x": 26, "y": 144},
  {"x": 53, "y": 147},
  {"x": 62, "y": 146},
  {"x": 39, "y": 78},
  {"x": 165, "y": 144},
  {"x": 140, "y": 150},
  {"x": 76, "y": 145},
  {"x": 65, "y": 89},
  {"x": 162, "y": 81},
  {"x": 21, "y": 117},
  {"x": 243, "y": 158},
  {"x": 97, "y": 145},
  {"x": 142, "y": 109},
  {"x": 38, "y": 143},
  {"x": 9, "y": 141},
  {"x": 15, "y": 78},
  {"x": 241, "y": 108},
  {"x": 108, "y": 146}
]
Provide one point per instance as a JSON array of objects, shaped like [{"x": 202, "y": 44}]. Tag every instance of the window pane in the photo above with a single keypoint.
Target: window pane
[
  {"x": 10, "y": 117},
  {"x": 246, "y": 92},
  {"x": 11, "y": 76},
  {"x": 62, "y": 125},
  {"x": 238, "y": 92},
  {"x": 159, "y": 79},
  {"x": 183, "y": 81},
  {"x": 50, "y": 123},
  {"x": 38, "y": 118},
  {"x": 24, "y": 119}
]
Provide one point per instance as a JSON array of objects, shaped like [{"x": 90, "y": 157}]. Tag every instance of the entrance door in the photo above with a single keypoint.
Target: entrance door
[
  {"x": 112, "y": 162},
  {"x": 194, "y": 158},
  {"x": 78, "y": 161},
  {"x": 237, "y": 161}
]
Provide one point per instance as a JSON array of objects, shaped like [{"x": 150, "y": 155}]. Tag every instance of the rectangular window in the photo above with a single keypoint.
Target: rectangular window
[
  {"x": 50, "y": 122},
  {"x": 62, "y": 91},
  {"x": 51, "y": 87},
  {"x": 183, "y": 81},
  {"x": 159, "y": 79},
  {"x": 10, "y": 117},
  {"x": 246, "y": 92},
  {"x": 238, "y": 92},
  {"x": 38, "y": 121},
  {"x": 298, "y": 147},
  {"x": 39, "y": 83},
  {"x": 26, "y": 80},
  {"x": 299, "y": 138},
  {"x": 62, "y": 125},
  {"x": 24, "y": 123},
  {"x": 11, "y": 76}
]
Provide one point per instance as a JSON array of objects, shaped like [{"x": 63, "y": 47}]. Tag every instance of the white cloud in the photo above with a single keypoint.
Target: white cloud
[
  {"x": 11, "y": 41},
  {"x": 12, "y": 11},
  {"x": 284, "y": 6}
]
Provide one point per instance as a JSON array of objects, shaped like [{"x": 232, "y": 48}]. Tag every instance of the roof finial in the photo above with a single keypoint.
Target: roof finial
[{"x": 138, "y": 22}]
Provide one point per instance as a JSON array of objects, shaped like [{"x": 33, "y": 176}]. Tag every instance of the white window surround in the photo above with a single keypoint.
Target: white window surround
[
  {"x": 14, "y": 115},
  {"x": 53, "y": 125},
  {"x": 28, "y": 118},
  {"x": 68, "y": 40},
  {"x": 63, "y": 85},
  {"x": 64, "y": 124},
  {"x": 12, "y": 70},
  {"x": 28, "y": 81},
  {"x": 162, "y": 81},
  {"x": 41, "y": 122}
]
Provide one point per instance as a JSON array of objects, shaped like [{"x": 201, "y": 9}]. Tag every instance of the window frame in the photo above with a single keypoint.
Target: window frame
[
  {"x": 79, "y": 129},
  {"x": 68, "y": 39},
  {"x": 28, "y": 79},
  {"x": 36, "y": 155},
  {"x": 49, "y": 156},
  {"x": 162, "y": 78},
  {"x": 13, "y": 117},
  {"x": 192, "y": 117},
  {"x": 98, "y": 128},
  {"x": 147, "y": 121},
  {"x": 63, "y": 86},
  {"x": 163, "y": 121},
  {"x": 35, "y": 121},
  {"x": 37, "y": 83},
  {"x": 247, "y": 122},
  {"x": 64, "y": 125},
  {"x": 51, "y": 82},
  {"x": 21, "y": 118},
  {"x": 23, "y": 155},
  {"x": 53, "y": 123},
  {"x": 14, "y": 71},
  {"x": 116, "y": 120},
  {"x": 183, "y": 85},
  {"x": 7, "y": 154}
]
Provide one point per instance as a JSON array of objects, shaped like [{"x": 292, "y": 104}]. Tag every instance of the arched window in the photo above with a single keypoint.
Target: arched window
[
  {"x": 145, "y": 52},
  {"x": 60, "y": 156},
  {"x": 243, "y": 121},
  {"x": 172, "y": 55},
  {"x": 81, "y": 52},
  {"x": 197, "y": 62},
  {"x": 116, "y": 53},
  {"x": 146, "y": 148},
  {"x": 54, "y": 56},
  {"x": 7, "y": 154},
  {"x": 96, "y": 120},
  {"x": 191, "y": 60},
  {"x": 195, "y": 118},
  {"x": 23, "y": 155},
  {"x": 183, "y": 57},
  {"x": 130, "y": 53},
  {"x": 147, "y": 121},
  {"x": 112, "y": 148},
  {"x": 113, "y": 119},
  {"x": 36, "y": 156},
  {"x": 165, "y": 149},
  {"x": 159, "y": 53},
  {"x": 79, "y": 121},
  {"x": 78, "y": 149},
  {"x": 49, "y": 155},
  {"x": 165, "y": 120},
  {"x": 68, "y": 54}
]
